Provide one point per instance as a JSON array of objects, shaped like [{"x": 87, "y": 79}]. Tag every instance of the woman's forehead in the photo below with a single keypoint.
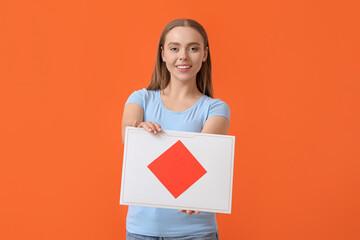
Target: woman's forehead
[{"x": 183, "y": 35}]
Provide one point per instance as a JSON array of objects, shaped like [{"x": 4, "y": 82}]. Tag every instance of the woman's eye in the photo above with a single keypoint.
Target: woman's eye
[
  {"x": 193, "y": 49},
  {"x": 173, "y": 49}
]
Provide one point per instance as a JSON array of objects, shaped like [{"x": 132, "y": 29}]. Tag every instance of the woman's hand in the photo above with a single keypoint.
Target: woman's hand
[
  {"x": 149, "y": 126},
  {"x": 189, "y": 212}
]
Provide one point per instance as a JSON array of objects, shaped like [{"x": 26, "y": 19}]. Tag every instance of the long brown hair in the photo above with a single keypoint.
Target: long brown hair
[{"x": 161, "y": 76}]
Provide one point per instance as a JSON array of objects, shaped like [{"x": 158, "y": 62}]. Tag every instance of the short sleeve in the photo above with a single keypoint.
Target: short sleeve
[
  {"x": 219, "y": 108},
  {"x": 138, "y": 97}
]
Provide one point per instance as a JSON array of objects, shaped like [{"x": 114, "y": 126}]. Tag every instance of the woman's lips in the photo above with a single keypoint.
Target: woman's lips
[{"x": 183, "y": 68}]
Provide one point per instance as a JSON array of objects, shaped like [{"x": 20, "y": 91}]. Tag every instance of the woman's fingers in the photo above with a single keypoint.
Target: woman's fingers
[
  {"x": 189, "y": 212},
  {"x": 157, "y": 126},
  {"x": 150, "y": 127}
]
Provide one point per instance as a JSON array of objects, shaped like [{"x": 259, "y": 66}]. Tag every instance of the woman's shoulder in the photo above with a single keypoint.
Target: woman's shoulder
[
  {"x": 145, "y": 92},
  {"x": 214, "y": 101},
  {"x": 217, "y": 107},
  {"x": 141, "y": 96}
]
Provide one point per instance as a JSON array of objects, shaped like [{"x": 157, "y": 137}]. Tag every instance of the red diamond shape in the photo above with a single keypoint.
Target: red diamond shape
[{"x": 177, "y": 169}]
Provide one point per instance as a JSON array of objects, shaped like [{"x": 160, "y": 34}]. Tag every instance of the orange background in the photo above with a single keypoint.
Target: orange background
[{"x": 288, "y": 69}]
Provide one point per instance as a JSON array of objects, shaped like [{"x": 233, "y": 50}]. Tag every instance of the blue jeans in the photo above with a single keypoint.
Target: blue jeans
[{"x": 210, "y": 236}]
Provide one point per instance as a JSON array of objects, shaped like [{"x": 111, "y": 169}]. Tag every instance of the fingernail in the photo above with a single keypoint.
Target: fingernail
[{"x": 149, "y": 129}]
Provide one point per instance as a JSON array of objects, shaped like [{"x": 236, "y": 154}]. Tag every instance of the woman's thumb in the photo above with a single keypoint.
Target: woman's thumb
[{"x": 135, "y": 123}]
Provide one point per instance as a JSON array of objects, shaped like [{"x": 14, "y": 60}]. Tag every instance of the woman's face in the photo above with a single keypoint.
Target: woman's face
[{"x": 183, "y": 52}]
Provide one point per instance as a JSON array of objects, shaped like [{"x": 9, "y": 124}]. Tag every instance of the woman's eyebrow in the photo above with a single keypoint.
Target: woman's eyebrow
[
  {"x": 190, "y": 43},
  {"x": 173, "y": 43},
  {"x": 194, "y": 43}
]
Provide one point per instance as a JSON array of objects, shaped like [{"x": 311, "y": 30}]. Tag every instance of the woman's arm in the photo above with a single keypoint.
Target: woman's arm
[
  {"x": 216, "y": 125},
  {"x": 134, "y": 116}
]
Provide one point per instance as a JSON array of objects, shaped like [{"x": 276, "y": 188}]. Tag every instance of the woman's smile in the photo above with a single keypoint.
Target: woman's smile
[{"x": 183, "y": 67}]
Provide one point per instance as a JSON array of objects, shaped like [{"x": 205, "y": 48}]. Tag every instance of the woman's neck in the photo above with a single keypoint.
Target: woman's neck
[
  {"x": 179, "y": 97},
  {"x": 180, "y": 90}
]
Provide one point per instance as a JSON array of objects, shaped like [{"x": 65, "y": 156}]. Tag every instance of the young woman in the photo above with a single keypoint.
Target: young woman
[{"x": 179, "y": 97}]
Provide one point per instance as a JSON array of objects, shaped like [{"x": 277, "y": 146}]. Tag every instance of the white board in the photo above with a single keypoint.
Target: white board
[{"x": 152, "y": 174}]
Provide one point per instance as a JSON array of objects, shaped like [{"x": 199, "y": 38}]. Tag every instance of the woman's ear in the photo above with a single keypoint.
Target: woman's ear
[
  {"x": 205, "y": 54},
  {"x": 162, "y": 54}
]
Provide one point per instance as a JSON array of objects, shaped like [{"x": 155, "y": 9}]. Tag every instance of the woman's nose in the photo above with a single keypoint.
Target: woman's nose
[{"x": 182, "y": 55}]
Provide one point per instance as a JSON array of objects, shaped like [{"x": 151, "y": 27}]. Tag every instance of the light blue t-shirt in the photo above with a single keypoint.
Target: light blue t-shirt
[{"x": 170, "y": 222}]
